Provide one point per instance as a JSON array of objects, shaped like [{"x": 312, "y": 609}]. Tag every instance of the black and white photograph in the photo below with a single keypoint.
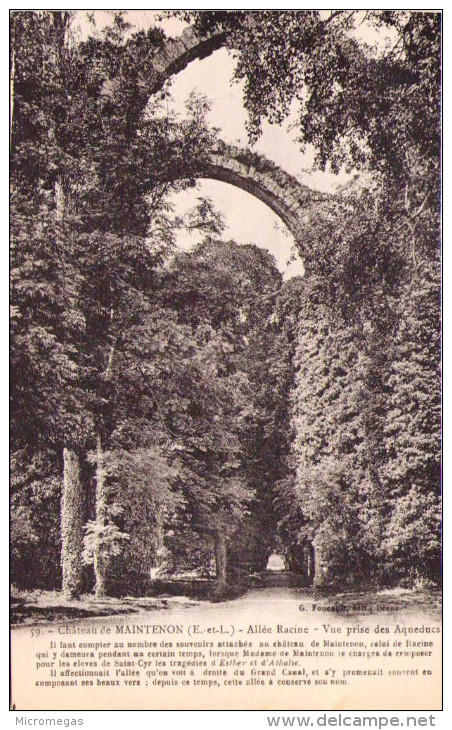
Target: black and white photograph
[{"x": 225, "y": 360}]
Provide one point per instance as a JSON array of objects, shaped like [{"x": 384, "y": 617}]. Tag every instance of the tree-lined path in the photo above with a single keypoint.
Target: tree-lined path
[{"x": 191, "y": 411}]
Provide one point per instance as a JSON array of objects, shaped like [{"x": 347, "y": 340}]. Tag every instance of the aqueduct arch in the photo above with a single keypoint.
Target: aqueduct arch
[
  {"x": 240, "y": 167},
  {"x": 252, "y": 172}
]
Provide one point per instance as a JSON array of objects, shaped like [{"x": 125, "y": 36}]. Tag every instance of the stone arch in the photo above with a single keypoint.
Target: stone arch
[
  {"x": 252, "y": 172},
  {"x": 238, "y": 166}
]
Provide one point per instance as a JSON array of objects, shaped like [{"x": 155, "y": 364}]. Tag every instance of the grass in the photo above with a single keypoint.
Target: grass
[{"x": 29, "y": 607}]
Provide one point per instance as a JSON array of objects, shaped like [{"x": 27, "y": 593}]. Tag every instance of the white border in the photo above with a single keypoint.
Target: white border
[{"x": 203, "y": 720}]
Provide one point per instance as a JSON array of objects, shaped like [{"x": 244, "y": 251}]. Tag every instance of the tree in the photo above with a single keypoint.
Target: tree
[
  {"x": 226, "y": 294},
  {"x": 412, "y": 434},
  {"x": 46, "y": 323},
  {"x": 35, "y": 519},
  {"x": 356, "y": 103},
  {"x": 83, "y": 245}
]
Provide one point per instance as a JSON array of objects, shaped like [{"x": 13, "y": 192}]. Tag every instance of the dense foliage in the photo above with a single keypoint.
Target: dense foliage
[
  {"x": 191, "y": 411},
  {"x": 364, "y": 89}
]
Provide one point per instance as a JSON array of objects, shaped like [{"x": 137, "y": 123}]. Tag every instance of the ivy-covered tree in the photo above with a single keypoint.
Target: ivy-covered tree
[{"x": 412, "y": 435}]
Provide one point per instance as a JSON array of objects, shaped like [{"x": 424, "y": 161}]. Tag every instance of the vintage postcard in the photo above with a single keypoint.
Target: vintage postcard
[{"x": 225, "y": 360}]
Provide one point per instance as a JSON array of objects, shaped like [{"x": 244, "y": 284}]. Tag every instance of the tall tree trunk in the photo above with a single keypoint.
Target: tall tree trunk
[
  {"x": 319, "y": 568},
  {"x": 72, "y": 519},
  {"x": 100, "y": 564},
  {"x": 221, "y": 558},
  {"x": 72, "y": 502}
]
